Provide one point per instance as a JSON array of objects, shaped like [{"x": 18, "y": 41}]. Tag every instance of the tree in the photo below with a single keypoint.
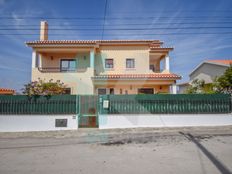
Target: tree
[
  {"x": 223, "y": 84},
  {"x": 41, "y": 87},
  {"x": 200, "y": 87},
  {"x": 196, "y": 87}
]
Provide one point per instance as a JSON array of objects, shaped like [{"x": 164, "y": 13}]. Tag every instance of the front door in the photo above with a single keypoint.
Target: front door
[{"x": 88, "y": 116}]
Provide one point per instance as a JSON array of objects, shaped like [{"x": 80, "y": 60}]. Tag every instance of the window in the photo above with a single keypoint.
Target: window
[
  {"x": 109, "y": 63},
  {"x": 145, "y": 91},
  {"x": 68, "y": 65},
  {"x": 101, "y": 91},
  {"x": 111, "y": 90},
  {"x": 130, "y": 63},
  {"x": 67, "y": 91},
  {"x": 104, "y": 91}
]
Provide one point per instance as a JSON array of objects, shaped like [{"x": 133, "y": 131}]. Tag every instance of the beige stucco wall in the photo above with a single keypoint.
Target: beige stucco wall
[
  {"x": 119, "y": 54},
  {"x": 79, "y": 82}
]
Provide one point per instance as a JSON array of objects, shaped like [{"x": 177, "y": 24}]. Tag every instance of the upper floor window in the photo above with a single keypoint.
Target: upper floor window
[
  {"x": 109, "y": 63},
  {"x": 130, "y": 63},
  {"x": 68, "y": 65}
]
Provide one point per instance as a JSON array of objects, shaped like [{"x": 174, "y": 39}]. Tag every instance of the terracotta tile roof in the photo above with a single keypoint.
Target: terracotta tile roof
[
  {"x": 6, "y": 91},
  {"x": 139, "y": 76},
  {"x": 226, "y": 62},
  {"x": 88, "y": 41},
  {"x": 161, "y": 47}
]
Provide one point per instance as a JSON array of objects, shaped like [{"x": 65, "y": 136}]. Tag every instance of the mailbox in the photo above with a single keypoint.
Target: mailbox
[{"x": 105, "y": 104}]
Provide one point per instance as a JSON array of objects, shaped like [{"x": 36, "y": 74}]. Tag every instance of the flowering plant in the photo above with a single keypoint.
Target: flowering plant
[{"x": 41, "y": 87}]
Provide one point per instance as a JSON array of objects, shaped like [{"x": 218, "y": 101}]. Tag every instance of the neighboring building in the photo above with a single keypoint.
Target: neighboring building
[
  {"x": 4, "y": 91},
  {"x": 103, "y": 66},
  {"x": 209, "y": 70},
  {"x": 182, "y": 87}
]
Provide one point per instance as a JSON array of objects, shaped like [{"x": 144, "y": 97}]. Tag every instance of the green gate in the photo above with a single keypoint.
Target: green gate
[{"x": 88, "y": 111}]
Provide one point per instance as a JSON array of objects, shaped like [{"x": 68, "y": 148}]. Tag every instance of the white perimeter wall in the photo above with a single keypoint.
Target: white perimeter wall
[
  {"x": 21, "y": 123},
  {"x": 175, "y": 120}
]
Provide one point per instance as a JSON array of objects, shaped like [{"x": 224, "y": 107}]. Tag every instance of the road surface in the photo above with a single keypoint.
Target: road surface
[{"x": 164, "y": 150}]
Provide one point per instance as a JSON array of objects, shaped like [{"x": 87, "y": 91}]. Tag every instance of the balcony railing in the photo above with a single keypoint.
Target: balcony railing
[{"x": 58, "y": 69}]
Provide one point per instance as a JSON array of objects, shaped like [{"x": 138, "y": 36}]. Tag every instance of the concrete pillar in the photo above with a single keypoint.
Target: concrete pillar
[
  {"x": 174, "y": 89},
  {"x": 166, "y": 63},
  {"x": 34, "y": 59},
  {"x": 92, "y": 59}
]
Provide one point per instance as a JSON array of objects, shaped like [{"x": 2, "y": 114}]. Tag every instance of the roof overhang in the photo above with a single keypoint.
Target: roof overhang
[
  {"x": 163, "y": 50},
  {"x": 131, "y": 77},
  {"x": 91, "y": 43}
]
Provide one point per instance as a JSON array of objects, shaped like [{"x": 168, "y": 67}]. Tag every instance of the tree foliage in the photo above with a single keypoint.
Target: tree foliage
[
  {"x": 223, "y": 84},
  {"x": 41, "y": 87},
  {"x": 200, "y": 87}
]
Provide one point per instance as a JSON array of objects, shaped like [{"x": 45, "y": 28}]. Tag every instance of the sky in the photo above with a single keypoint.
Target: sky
[{"x": 198, "y": 30}]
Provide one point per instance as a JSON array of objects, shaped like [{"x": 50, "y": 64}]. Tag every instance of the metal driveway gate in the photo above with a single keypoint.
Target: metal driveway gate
[{"x": 88, "y": 111}]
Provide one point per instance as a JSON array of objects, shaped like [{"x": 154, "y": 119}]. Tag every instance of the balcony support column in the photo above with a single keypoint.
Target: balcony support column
[
  {"x": 92, "y": 59},
  {"x": 166, "y": 63},
  {"x": 34, "y": 59},
  {"x": 40, "y": 61}
]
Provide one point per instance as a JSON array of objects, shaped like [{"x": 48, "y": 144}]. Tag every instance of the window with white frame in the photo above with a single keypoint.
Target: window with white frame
[
  {"x": 130, "y": 63},
  {"x": 68, "y": 65},
  {"x": 109, "y": 63}
]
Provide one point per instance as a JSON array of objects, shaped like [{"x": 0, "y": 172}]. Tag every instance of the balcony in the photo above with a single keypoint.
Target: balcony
[
  {"x": 155, "y": 69},
  {"x": 61, "y": 70}
]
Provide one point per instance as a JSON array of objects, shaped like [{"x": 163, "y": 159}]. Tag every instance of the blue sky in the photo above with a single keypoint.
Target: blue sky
[{"x": 165, "y": 20}]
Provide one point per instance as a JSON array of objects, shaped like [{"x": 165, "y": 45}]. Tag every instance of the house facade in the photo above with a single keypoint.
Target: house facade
[{"x": 103, "y": 66}]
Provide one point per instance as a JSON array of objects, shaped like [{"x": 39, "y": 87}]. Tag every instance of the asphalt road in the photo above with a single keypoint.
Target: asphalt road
[{"x": 182, "y": 150}]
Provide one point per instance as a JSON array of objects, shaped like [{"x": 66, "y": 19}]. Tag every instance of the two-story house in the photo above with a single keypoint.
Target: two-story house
[{"x": 103, "y": 66}]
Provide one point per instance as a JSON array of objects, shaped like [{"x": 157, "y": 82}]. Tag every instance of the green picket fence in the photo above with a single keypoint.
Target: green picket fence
[
  {"x": 167, "y": 104},
  {"x": 21, "y": 104}
]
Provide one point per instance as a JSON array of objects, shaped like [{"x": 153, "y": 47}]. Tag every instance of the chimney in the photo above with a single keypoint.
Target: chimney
[{"x": 43, "y": 30}]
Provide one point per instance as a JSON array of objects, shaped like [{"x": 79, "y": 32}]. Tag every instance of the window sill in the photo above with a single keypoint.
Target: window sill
[
  {"x": 109, "y": 69},
  {"x": 130, "y": 69}
]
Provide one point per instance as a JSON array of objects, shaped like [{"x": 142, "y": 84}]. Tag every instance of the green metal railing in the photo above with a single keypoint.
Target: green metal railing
[
  {"x": 118, "y": 104},
  {"x": 167, "y": 104},
  {"x": 21, "y": 104}
]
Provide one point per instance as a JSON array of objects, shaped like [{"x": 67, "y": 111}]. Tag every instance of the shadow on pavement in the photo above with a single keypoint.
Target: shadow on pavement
[{"x": 220, "y": 166}]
